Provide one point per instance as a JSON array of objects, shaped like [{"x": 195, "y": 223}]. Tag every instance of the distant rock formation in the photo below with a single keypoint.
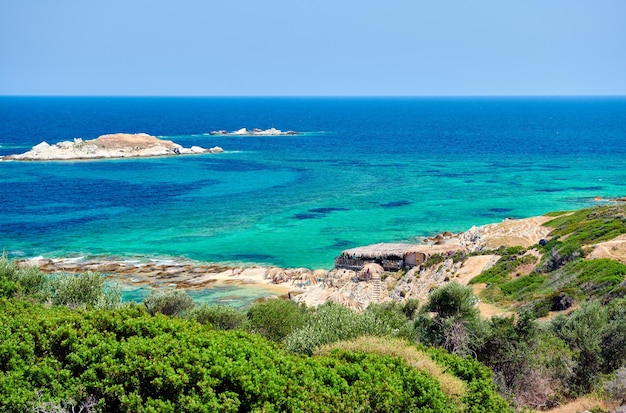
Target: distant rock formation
[
  {"x": 119, "y": 145},
  {"x": 254, "y": 132}
]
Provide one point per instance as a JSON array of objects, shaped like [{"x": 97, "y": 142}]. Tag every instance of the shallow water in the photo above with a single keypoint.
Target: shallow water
[{"x": 366, "y": 170}]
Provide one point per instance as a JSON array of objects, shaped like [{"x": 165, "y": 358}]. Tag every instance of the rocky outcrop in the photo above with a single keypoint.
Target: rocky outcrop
[
  {"x": 119, "y": 145},
  {"x": 253, "y": 132}
]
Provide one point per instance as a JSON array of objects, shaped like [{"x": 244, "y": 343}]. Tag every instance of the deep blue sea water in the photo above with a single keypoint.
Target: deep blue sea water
[{"x": 365, "y": 170}]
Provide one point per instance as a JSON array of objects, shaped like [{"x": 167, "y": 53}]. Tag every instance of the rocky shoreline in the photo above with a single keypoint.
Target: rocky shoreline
[
  {"x": 112, "y": 146},
  {"x": 315, "y": 287}
]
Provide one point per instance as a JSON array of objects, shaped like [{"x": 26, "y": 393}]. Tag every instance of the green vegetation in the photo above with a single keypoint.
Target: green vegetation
[
  {"x": 128, "y": 360},
  {"x": 67, "y": 341},
  {"x": 590, "y": 225},
  {"x": 510, "y": 260},
  {"x": 330, "y": 323},
  {"x": 562, "y": 277}
]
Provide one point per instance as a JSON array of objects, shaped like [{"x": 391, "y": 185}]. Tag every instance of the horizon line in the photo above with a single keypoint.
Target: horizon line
[{"x": 316, "y": 96}]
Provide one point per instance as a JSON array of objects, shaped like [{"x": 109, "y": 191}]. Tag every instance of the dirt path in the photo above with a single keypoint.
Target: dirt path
[
  {"x": 580, "y": 405},
  {"x": 614, "y": 249}
]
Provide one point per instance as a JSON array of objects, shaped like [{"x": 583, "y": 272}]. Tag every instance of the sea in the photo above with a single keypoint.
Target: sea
[{"x": 361, "y": 170}]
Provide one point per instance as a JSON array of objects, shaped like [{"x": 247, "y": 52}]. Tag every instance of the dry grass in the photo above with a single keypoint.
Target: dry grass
[{"x": 452, "y": 386}]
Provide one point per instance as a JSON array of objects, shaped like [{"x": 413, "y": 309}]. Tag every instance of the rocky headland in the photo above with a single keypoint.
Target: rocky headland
[{"x": 119, "y": 145}]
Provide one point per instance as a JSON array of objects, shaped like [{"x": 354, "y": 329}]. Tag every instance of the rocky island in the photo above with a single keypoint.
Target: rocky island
[
  {"x": 118, "y": 145},
  {"x": 254, "y": 132}
]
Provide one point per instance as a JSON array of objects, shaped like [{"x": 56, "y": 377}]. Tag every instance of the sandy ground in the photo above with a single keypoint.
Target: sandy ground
[
  {"x": 581, "y": 405},
  {"x": 614, "y": 249},
  {"x": 518, "y": 232}
]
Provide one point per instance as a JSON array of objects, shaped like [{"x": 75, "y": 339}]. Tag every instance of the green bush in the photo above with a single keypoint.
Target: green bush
[
  {"x": 34, "y": 283},
  {"x": 275, "y": 319},
  {"x": 590, "y": 225},
  {"x": 128, "y": 361},
  {"x": 168, "y": 302},
  {"x": 522, "y": 286},
  {"x": 86, "y": 289},
  {"x": 613, "y": 337},
  {"x": 330, "y": 323},
  {"x": 582, "y": 331},
  {"x": 221, "y": 317},
  {"x": 557, "y": 254},
  {"x": 28, "y": 281},
  {"x": 453, "y": 300}
]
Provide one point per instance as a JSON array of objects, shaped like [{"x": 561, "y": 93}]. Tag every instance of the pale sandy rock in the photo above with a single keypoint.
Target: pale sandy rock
[
  {"x": 253, "y": 132},
  {"x": 118, "y": 145},
  {"x": 614, "y": 249},
  {"x": 508, "y": 233}
]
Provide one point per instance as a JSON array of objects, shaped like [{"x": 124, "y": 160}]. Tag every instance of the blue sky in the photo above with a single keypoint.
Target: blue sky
[{"x": 322, "y": 47}]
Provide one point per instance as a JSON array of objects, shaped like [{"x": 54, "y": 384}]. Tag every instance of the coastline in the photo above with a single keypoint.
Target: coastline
[{"x": 302, "y": 284}]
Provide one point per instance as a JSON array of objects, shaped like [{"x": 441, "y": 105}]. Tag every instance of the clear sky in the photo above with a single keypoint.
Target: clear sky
[{"x": 321, "y": 47}]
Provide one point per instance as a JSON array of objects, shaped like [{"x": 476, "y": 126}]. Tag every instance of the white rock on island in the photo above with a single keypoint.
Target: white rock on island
[{"x": 118, "y": 145}]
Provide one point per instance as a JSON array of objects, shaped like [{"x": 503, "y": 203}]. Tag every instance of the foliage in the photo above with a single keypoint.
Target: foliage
[
  {"x": 330, "y": 323},
  {"x": 501, "y": 271},
  {"x": 168, "y": 302},
  {"x": 24, "y": 282},
  {"x": 130, "y": 361},
  {"x": 456, "y": 326},
  {"x": 558, "y": 253},
  {"x": 453, "y": 300},
  {"x": 522, "y": 286},
  {"x": 221, "y": 317},
  {"x": 613, "y": 336},
  {"x": 275, "y": 319},
  {"x": 410, "y": 307},
  {"x": 451, "y": 385},
  {"x": 582, "y": 331},
  {"x": 590, "y": 225},
  {"x": 482, "y": 396},
  {"x": 86, "y": 289}
]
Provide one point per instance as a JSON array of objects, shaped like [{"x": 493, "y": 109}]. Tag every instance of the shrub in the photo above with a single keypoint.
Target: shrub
[
  {"x": 34, "y": 283},
  {"x": 131, "y": 362},
  {"x": 453, "y": 300},
  {"x": 86, "y": 289},
  {"x": 275, "y": 319},
  {"x": 582, "y": 331},
  {"x": 591, "y": 225},
  {"x": 522, "y": 286},
  {"x": 221, "y": 317},
  {"x": 168, "y": 302},
  {"x": 410, "y": 307},
  {"x": 451, "y": 385},
  {"x": 23, "y": 281},
  {"x": 330, "y": 323},
  {"x": 613, "y": 336},
  {"x": 559, "y": 253}
]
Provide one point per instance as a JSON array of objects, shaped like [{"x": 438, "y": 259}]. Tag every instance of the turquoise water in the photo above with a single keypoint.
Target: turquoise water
[{"x": 366, "y": 170}]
